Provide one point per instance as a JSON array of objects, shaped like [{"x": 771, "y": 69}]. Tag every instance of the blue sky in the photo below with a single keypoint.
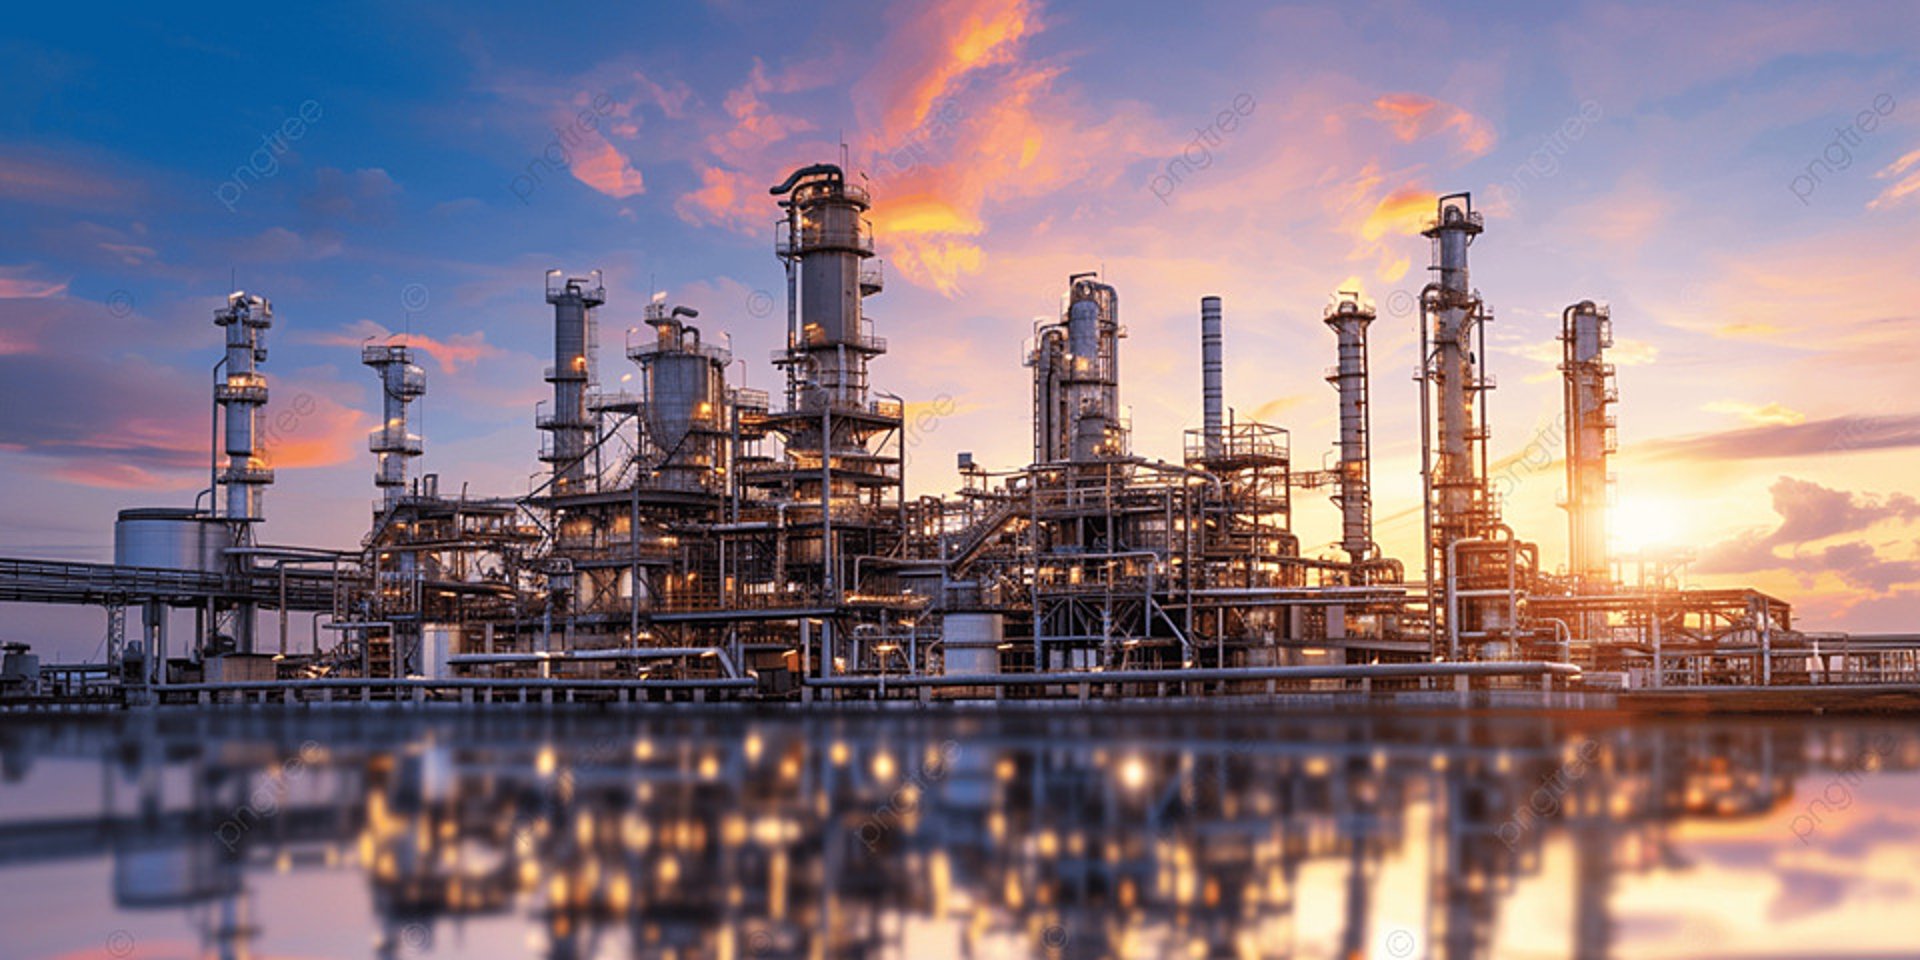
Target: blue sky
[{"x": 1639, "y": 155}]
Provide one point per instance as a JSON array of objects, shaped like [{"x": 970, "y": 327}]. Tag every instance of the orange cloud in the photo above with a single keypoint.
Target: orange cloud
[
  {"x": 315, "y": 433},
  {"x": 1382, "y": 231},
  {"x": 449, "y": 354},
  {"x": 600, "y": 165},
  {"x": 1771, "y": 413},
  {"x": 754, "y": 123},
  {"x": 1401, "y": 213},
  {"x": 929, "y": 55},
  {"x": 1414, "y": 116},
  {"x": 726, "y": 198}
]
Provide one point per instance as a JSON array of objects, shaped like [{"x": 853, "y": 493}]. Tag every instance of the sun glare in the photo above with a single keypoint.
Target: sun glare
[{"x": 1639, "y": 524}]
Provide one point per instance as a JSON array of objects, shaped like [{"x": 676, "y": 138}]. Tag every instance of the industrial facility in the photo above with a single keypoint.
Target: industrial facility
[{"x": 698, "y": 540}]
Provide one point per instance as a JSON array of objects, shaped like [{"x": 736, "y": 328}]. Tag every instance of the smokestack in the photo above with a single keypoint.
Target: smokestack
[
  {"x": 1349, "y": 317},
  {"x": 1210, "y": 391}
]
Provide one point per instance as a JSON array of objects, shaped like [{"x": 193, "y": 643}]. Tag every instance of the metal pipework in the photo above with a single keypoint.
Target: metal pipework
[
  {"x": 573, "y": 300},
  {"x": 401, "y": 382},
  {"x": 1453, "y": 370},
  {"x": 685, "y": 411},
  {"x": 1586, "y": 331},
  {"x": 1211, "y": 393},
  {"x": 1349, "y": 317},
  {"x": 1092, "y": 379},
  {"x": 240, "y": 397},
  {"x": 824, "y": 240},
  {"x": 1049, "y": 363}
]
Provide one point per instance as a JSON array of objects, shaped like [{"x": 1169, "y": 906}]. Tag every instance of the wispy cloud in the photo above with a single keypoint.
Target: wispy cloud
[
  {"x": 449, "y": 353},
  {"x": 1416, "y": 116},
  {"x": 1905, "y": 174},
  {"x": 1832, "y": 435}
]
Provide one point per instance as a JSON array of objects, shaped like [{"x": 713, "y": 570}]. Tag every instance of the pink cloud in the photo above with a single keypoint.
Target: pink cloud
[
  {"x": 36, "y": 182},
  {"x": 601, "y": 165},
  {"x": 449, "y": 353},
  {"x": 1414, "y": 116},
  {"x": 725, "y": 198}
]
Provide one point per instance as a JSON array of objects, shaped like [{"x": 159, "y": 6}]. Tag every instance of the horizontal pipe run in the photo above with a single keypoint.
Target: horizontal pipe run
[{"x": 1384, "y": 671}]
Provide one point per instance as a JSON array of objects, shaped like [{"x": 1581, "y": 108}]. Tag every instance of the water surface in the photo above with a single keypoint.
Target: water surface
[{"x": 906, "y": 834}]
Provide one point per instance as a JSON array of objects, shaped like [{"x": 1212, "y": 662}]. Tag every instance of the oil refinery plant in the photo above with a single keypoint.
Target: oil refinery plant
[{"x": 698, "y": 540}]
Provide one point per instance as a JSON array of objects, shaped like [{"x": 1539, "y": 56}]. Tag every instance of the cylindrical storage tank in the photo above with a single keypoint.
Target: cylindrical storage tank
[
  {"x": 170, "y": 538},
  {"x": 684, "y": 391},
  {"x": 971, "y": 642}
]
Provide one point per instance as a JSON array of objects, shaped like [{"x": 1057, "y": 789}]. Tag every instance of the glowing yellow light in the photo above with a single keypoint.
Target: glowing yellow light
[{"x": 1637, "y": 524}]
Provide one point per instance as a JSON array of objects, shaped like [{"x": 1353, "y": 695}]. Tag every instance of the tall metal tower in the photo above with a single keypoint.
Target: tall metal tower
[
  {"x": 568, "y": 424},
  {"x": 1467, "y": 547},
  {"x": 1212, "y": 390},
  {"x": 1586, "y": 331},
  {"x": 1349, "y": 317},
  {"x": 401, "y": 382},
  {"x": 240, "y": 397},
  {"x": 835, "y": 454}
]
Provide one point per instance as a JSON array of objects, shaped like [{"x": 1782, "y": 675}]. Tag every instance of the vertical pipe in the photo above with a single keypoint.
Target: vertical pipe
[
  {"x": 1349, "y": 318},
  {"x": 1210, "y": 373}
]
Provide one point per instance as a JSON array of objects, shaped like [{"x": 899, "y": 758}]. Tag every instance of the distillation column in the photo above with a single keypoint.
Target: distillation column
[
  {"x": 240, "y": 397},
  {"x": 1211, "y": 392},
  {"x": 568, "y": 423},
  {"x": 1349, "y": 318},
  {"x": 1476, "y": 581},
  {"x": 824, "y": 241},
  {"x": 686, "y": 403},
  {"x": 1452, "y": 319},
  {"x": 401, "y": 382},
  {"x": 1092, "y": 380},
  {"x": 1586, "y": 331}
]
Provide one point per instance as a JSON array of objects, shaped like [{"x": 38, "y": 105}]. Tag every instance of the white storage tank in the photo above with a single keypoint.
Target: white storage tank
[
  {"x": 971, "y": 643},
  {"x": 171, "y": 538}
]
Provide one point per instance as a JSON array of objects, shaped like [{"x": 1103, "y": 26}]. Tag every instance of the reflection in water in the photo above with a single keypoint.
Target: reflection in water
[{"x": 889, "y": 835}]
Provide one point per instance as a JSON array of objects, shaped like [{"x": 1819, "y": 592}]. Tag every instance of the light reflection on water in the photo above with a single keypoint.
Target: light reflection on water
[{"x": 1051, "y": 834}]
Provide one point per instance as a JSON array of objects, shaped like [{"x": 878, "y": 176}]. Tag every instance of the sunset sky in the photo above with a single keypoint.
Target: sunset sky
[{"x": 1741, "y": 182}]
